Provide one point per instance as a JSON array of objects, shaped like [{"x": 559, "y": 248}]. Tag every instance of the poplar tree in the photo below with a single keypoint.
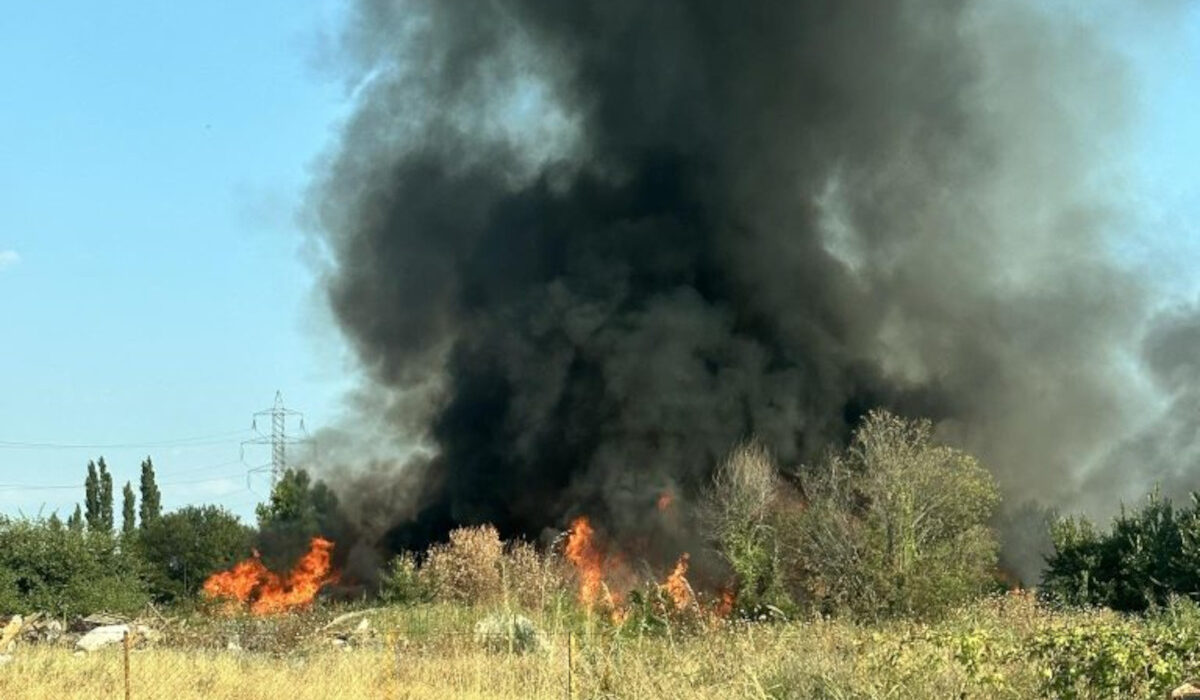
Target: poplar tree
[
  {"x": 151, "y": 506},
  {"x": 75, "y": 521},
  {"x": 106, "y": 498},
  {"x": 91, "y": 497},
  {"x": 128, "y": 513}
]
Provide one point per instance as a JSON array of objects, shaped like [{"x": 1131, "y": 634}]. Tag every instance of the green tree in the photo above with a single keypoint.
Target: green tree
[
  {"x": 184, "y": 547},
  {"x": 296, "y": 500},
  {"x": 106, "y": 498},
  {"x": 54, "y": 523},
  {"x": 151, "y": 506},
  {"x": 298, "y": 509},
  {"x": 91, "y": 499},
  {"x": 66, "y": 571},
  {"x": 894, "y": 525},
  {"x": 128, "y": 512},
  {"x": 75, "y": 521},
  {"x": 1149, "y": 555}
]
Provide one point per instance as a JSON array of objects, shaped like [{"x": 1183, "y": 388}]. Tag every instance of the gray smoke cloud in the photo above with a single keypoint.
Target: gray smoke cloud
[{"x": 582, "y": 248}]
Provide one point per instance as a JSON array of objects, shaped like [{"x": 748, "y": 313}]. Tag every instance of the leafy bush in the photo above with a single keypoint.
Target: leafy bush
[
  {"x": 403, "y": 582},
  {"x": 741, "y": 511},
  {"x": 894, "y": 525},
  {"x": 184, "y": 547},
  {"x": 1150, "y": 555},
  {"x": 66, "y": 572}
]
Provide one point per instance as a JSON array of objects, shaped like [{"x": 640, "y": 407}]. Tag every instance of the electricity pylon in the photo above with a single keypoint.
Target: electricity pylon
[{"x": 278, "y": 438}]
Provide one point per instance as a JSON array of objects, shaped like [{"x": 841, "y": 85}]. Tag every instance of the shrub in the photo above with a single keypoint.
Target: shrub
[
  {"x": 66, "y": 572},
  {"x": 529, "y": 578},
  {"x": 741, "y": 511},
  {"x": 403, "y": 581},
  {"x": 894, "y": 525},
  {"x": 184, "y": 547},
  {"x": 1151, "y": 554},
  {"x": 467, "y": 568}
]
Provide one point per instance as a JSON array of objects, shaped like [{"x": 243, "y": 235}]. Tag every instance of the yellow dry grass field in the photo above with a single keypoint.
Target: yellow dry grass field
[
  {"x": 812, "y": 659},
  {"x": 1003, "y": 647}
]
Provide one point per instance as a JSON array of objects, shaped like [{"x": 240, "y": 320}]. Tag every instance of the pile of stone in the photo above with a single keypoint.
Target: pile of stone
[
  {"x": 350, "y": 630},
  {"x": 85, "y": 634}
]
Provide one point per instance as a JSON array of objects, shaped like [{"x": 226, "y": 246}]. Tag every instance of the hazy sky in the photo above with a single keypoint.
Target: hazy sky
[{"x": 153, "y": 287}]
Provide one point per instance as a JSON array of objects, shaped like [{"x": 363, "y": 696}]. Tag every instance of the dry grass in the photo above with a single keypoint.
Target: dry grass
[{"x": 429, "y": 653}]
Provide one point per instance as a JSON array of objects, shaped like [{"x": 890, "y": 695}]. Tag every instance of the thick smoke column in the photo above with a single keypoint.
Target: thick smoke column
[{"x": 582, "y": 248}]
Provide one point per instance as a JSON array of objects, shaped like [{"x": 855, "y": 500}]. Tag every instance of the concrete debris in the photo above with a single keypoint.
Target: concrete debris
[
  {"x": 98, "y": 620},
  {"x": 8, "y": 634},
  {"x": 504, "y": 632},
  {"x": 343, "y": 623},
  {"x": 42, "y": 630},
  {"x": 101, "y": 637}
]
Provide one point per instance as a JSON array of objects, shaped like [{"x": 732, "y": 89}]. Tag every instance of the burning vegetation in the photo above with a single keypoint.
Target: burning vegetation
[{"x": 250, "y": 584}]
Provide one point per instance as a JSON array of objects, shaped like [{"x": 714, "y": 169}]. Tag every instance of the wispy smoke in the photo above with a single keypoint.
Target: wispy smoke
[{"x": 582, "y": 248}]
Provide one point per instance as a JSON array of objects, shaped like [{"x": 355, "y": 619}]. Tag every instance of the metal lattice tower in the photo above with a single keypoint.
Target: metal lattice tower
[{"x": 278, "y": 439}]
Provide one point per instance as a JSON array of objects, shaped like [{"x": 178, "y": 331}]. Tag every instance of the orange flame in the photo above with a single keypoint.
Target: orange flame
[
  {"x": 664, "y": 501},
  {"x": 588, "y": 561},
  {"x": 677, "y": 585},
  {"x": 724, "y": 607},
  {"x": 266, "y": 592},
  {"x": 591, "y": 565}
]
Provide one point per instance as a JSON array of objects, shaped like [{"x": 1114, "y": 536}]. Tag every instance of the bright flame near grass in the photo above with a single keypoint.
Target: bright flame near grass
[
  {"x": 265, "y": 592},
  {"x": 677, "y": 585}
]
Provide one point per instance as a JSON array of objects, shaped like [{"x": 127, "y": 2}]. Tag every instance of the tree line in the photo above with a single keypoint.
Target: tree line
[{"x": 87, "y": 564}]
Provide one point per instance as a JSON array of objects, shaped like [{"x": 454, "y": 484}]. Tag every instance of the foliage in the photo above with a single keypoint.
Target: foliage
[
  {"x": 403, "y": 582},
  {"x": 128, "y": 512},
  {"x": 297, "y": 510},
  {"x": 894, "y": 525},
  {"x": 1148, "y": 556},
  {"x": 65, "y": 571},
  {"x": 183, "y": 547},
  {"x": 106, "y": 498},
  {"x": 150, "y": 508},
  {"x": 741, "y": 514},
  {"x": 91, "y": 488},
  {"x": 75, "y": 520},
  {"x": 467, "y": 568}
]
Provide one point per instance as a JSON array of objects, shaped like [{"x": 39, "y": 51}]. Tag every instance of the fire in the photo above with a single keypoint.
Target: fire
[
  {"x": 266, "y": 592},
  {"x": 664, "y": 501},
  {"x": 588, "y": 560},
  {"x": 677, "y": 585},
  {"x": 724, "y": 607},
  {"x": 593, "y": 566}
]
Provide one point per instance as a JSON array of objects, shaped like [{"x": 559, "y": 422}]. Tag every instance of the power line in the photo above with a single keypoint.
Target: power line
[
  {"x": 197, "y": 441},
  {"x": 56, "y": 487}
]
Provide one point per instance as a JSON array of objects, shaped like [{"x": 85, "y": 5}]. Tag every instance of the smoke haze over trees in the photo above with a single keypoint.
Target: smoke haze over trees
[{"x": 582, "y": 249}]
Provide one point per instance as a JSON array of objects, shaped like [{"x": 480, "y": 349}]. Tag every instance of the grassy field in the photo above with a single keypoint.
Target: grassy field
[{"x": 1002, "y": 647}]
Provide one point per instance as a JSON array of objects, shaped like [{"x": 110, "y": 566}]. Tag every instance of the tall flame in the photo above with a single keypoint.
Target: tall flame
[
  {"x": 266, "y": 592},
  {"x": 582, "y": 552},
  {"x": 677, "y": 585}
]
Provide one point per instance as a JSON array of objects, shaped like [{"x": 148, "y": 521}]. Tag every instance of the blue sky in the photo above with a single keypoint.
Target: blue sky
[
  {"x": 153, "y": 287},
  {"x": 152, "y": 156}
]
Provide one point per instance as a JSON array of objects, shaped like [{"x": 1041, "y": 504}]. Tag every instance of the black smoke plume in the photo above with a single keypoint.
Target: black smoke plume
[{"x": 583, "y": 248}]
